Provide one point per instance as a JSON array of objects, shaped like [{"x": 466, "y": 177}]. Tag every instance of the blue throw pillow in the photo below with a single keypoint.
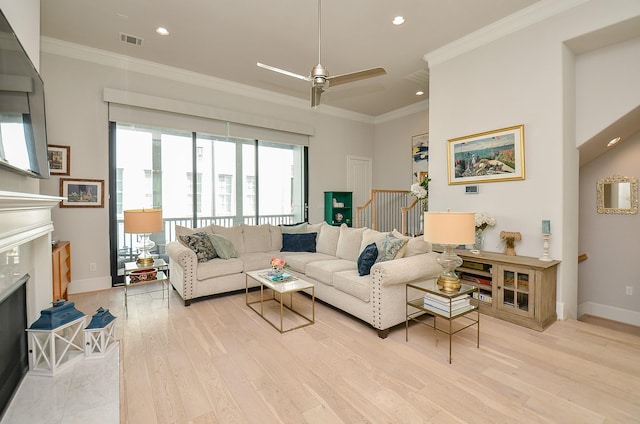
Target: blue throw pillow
[
  {"x": 301, "y": 242},
  {"x": 366, "y": 259}
]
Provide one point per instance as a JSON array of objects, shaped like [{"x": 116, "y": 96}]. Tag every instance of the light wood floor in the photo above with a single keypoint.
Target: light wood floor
[{"x": 219, "y": 362}]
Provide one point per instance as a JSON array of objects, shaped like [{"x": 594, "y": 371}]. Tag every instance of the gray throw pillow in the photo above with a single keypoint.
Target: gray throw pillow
[{"x": 224, "y": 247}]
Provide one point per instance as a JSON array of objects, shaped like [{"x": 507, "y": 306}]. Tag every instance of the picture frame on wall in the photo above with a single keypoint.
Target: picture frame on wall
[
  {"x": 81, "y": 193},
  {"x": 487, "y": 157},
  {"x": 419, "y": 155},
  {"x": 59, "y": 159}
]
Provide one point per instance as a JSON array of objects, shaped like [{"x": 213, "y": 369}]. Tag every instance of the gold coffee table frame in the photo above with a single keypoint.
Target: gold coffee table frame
[{"x": 282, "y": 288}]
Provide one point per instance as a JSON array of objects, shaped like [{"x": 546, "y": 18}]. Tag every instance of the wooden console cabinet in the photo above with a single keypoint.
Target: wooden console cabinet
[
  {"x": 61, "y": 261},
  {"x": 518, "y": 289}
]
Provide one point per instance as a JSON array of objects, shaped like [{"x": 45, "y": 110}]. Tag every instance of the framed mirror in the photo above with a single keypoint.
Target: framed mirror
[{"x": 618, "y": 195}]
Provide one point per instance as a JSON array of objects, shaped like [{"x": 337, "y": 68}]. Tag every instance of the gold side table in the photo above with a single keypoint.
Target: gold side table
[
  {"x": 427, "y": 297},
  {"x": 162, "y": 269},
  {"x": 282, "y": 288}
]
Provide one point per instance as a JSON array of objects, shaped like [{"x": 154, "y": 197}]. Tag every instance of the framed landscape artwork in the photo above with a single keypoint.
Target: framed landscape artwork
[
  {"x": 79, "y": 193},
  {"x": 487, "y": 157},
  {"x": 419, "y": 155},
  {"x": 59, "y": 159}
]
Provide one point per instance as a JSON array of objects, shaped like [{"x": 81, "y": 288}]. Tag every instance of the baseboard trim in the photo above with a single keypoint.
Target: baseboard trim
[
  {"x": 609, "y": 312},
  {"x": 89, "y": 285}
]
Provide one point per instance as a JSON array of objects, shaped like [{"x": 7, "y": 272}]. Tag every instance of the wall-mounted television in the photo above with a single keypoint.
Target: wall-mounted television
[{"x": 23, "y": 133}]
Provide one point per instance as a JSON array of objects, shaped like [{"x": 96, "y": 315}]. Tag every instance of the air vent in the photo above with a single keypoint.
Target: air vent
[
  {"x": 420, "y": 77},
  {"x": 131, "y": 39}
]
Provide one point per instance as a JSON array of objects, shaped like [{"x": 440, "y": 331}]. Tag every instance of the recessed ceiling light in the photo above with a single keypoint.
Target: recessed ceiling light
[
  {"x": 162, "y": 31},
  {"x": 419, "y": 93},
  {"x": 612, "y": 142},
  {"x": 398, "y": 20}
]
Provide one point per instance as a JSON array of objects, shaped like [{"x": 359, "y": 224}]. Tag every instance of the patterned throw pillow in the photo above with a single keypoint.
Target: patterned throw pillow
[
  {"x": 200, "y": 244},
  {"x": 366, "y": 259},
  {"x": 223, "y": 246},
  {"x": 390, "y": 248}
]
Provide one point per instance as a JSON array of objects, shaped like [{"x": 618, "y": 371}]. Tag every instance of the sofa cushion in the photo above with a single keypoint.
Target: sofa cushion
[
  {"x": 200, "y": 244},
  {"x": 185, "y": 231},
  {"x": 298, "y": 260},
  {"x": 276, "y": 237},
  {"x": 224, "y": 247},
  {"x": 256, "y": 238},
  {"x": 372, "y": 236},
  {"x": 351, "y": 283},
  {"x": 234, "y": 234},
  {"x": 218, "y": 267},
  {"x": 300, "y": 227},
  {"x": 323, "y": 271},
  {"x": 415, "y": 245},
  {"x": 391, "y": 247},
  {"x": 367, "y": 258},
  {"x": 256, "y": 260},
  {"x": 302, "y": 242},
  {"x": 328, "y": 239},
  {"x": 349, "y": 243}
]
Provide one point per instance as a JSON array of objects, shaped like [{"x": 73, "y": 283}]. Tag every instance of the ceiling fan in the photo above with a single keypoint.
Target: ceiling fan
[{"x": 319, "y": 77}]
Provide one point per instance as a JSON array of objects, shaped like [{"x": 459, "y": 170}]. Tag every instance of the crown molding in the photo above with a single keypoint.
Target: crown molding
[
  {"x": 130, "y": 64},
  {"x": 421, "y": 106},
  {"x": 515, "y": 22}
]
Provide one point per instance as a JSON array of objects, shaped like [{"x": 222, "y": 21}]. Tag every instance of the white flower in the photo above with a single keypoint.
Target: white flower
[
  {"x": 484, "y": 220},
  {"x": 418, "y": 191}
]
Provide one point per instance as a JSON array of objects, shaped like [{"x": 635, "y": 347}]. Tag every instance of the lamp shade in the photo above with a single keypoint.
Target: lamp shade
[
  {"x": 449, "y": 227},
  {"x": 142, "y": 221}
]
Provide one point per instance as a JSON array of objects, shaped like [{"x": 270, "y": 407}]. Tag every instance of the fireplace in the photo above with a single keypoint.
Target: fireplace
[
  {"x": 14, "y": 360},
  {"x": 25, "y": 278}
]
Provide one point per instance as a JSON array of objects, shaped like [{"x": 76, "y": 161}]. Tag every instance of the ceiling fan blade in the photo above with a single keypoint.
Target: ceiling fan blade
[
  {"x": 356, "y": 76},
  {"x": 315, "y": 95},
  {"x": 282, "y": 71}
]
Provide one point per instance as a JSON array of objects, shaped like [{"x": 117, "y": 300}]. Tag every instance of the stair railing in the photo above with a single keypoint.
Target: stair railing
[{"x": 388, "y": 210}]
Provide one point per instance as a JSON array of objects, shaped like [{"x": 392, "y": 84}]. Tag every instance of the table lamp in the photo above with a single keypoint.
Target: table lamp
[
  {"x": 449, "y": 229},
  {"x": 145, "y": 222}
]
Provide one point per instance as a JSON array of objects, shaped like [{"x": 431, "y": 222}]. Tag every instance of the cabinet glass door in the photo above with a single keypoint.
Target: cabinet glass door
[{"x": 515, "y": 294}]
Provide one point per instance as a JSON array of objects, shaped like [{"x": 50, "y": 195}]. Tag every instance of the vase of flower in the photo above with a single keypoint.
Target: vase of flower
[
  {"x": 479, "y": 241},
  {"x": 483, "y": 220}
]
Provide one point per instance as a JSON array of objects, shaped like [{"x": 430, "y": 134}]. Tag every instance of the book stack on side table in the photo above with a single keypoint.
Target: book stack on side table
[{"x": 447, "y": 306}]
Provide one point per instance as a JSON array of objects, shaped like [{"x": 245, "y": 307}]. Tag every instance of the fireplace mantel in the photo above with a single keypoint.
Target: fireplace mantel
[{"x": 24, "y": 217}]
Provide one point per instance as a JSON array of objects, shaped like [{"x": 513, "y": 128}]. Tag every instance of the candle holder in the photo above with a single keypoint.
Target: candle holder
[{"x": 545, "y": 248}]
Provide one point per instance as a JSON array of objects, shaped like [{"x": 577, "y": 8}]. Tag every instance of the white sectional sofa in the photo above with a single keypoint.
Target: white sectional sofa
[{"x": 378, "y": 298}]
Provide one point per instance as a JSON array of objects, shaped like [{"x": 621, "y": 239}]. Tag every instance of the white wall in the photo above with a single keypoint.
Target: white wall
[
  {"x": 77, "y": 117},
  {"x": 610, "y": 241},
  {"x": 521, "y": 79},
  {"x": 607, "y": 87},
  {"x": 392, "y": 163}
]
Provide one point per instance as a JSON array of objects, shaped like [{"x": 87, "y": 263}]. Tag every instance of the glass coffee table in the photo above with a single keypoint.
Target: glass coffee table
[{"x": 279, "y": 289}]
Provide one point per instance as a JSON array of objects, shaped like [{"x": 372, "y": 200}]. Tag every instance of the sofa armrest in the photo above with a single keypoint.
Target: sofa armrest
[
  {"x": 183, "y": 265},
  {"x": 181, "y": 254},
  {"x": 403, "y": 270}
]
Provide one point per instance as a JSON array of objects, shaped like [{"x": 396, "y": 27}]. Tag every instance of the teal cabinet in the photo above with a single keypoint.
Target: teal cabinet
[{"x": 338, "y": 208}]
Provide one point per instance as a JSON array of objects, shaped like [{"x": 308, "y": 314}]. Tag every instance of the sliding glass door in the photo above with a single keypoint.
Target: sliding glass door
[{"x": 200, "y": 179}]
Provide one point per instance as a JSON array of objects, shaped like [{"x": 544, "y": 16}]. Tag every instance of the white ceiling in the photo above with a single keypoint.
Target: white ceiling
[{"x": 225, "y": 39}]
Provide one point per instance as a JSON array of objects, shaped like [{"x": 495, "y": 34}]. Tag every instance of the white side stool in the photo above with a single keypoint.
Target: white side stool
[{"x": 100, "y": 335}]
